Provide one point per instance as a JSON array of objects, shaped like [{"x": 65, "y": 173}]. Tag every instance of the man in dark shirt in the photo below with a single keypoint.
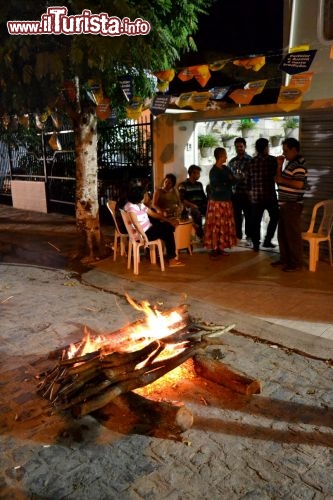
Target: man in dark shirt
[
  {"x": 261, "y": 185},
  {"x": 240, "y": 197},
  {"x": 193, "y": 197}
]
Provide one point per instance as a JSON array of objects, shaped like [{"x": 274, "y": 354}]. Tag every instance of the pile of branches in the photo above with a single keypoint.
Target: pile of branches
[{"x": 86, "y": 383}]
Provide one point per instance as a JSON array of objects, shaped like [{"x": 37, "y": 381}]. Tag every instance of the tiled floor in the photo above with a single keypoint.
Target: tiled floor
[
  {"x": 324, "y": 330},
  {"x": 246, "y": 282}
]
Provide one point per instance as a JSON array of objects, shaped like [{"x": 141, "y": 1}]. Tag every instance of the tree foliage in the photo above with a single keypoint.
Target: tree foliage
[
  {"x": 34, "y": 68},
  {"x": 46, "y": 73}
]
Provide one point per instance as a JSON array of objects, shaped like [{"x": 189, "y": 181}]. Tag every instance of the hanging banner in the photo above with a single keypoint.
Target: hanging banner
[
  {"x": 243, "y": 96},
  {"x": 300, "y": 48},
  {"x": 290, "y": 98},
  {"x": 6, "y": 120},
  {"x": 297, "y": 62},
  {"x": 54, "y": 142},
  {"x": 70, "y": 90},
  {"x": 166, "y": 75},
  {"x": 219, "y": 92},
  {"x": 56, "y": 119},
  {"x": 200, "y": 100},
  {"x": 95, "y": 91},
  {"x": 126, "y": 85},
  {"x": 218, "y": 65},
  {"x": 103, "y": 110},
  {"x": 254, "y": 63},
  {"x": 258, "y": 86},
  {"x": 164, "y": 78},
  {"x": 301, "y": 81},
  {"x": 200, "y": 73},
  {"x": 134, "y": 108},
  {"x": 159, "y": 104},
  {"x": 24, "y": 120},
  {"x": 195, "y": 100},
  {"x": 184, "y": 100}
]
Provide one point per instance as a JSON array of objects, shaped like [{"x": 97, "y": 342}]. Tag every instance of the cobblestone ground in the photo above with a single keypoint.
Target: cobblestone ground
[{"x": 274, "y": 445}]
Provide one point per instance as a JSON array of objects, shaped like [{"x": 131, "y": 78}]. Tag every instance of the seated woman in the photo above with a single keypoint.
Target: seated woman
[
  {"x": 161, "y": 229},
  {"x": 166, "y": 200}
]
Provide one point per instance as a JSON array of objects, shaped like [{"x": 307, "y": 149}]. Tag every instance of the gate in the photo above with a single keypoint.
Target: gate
[{"x": 124, "y": 158}]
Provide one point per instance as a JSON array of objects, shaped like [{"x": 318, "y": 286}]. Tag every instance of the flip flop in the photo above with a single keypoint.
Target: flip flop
[{"x": 176, "y": 264}]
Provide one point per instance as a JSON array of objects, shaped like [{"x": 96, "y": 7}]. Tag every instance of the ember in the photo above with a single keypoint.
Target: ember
[{"x": 92, "y": 373}]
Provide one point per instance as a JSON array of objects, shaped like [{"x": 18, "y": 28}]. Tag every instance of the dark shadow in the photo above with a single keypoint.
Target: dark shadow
[{"x": 27, "y": 415}]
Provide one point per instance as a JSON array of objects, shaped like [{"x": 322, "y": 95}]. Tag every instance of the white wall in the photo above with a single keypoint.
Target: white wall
[{"x": 306, "y": 28}]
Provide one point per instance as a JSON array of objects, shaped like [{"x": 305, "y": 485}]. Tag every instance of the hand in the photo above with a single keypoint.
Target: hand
[{"x": 280, "y": 160}]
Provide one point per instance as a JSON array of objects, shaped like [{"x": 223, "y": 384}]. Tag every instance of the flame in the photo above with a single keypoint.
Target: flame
[{"x": 156, "y": 326}]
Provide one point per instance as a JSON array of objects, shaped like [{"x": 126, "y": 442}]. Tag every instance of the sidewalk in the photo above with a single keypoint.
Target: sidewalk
[
  {"x": 243, "y": 283},
  {"x": 273, "y": 445}
]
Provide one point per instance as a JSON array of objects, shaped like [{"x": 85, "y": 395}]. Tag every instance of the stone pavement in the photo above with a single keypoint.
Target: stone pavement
[{"x": 277, "y": 444}]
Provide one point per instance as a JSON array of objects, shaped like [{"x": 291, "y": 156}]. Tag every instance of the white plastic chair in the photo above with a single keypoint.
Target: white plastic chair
[
  {"x": 118, "y": 235},
  {"x": 323, "y": 233},
  {"x": 136, "y": 242},
  {"x": 183, "y": 236}
]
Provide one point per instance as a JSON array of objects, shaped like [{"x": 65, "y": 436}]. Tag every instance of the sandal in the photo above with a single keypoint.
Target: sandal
[{"x": 176, "y": 263}]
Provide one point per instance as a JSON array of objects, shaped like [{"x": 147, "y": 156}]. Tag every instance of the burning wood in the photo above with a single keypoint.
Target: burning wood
[{"x": 92, "y": 373}]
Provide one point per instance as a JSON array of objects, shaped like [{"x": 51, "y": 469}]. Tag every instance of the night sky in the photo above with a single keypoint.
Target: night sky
[
  {"x": 237, "y": 28},
  {"x": 241, "y": 27}
]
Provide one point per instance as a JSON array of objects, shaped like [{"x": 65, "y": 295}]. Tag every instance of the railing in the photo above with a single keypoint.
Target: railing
[{"x": 124, "y": 157}]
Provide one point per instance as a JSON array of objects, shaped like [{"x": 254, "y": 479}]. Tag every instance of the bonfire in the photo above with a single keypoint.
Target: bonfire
[{"x": 91, "y": 373}]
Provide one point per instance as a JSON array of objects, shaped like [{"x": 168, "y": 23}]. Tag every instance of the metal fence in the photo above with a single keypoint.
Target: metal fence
[{"x": 124, "y": 157}]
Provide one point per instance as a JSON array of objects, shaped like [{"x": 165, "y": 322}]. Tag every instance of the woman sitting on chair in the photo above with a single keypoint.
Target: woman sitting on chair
[
  {"x": 161, "y": 228},
  {"x": 166, "y": 199}
]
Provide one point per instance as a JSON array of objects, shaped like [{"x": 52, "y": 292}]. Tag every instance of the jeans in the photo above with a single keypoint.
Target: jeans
[
  {"x": 257, "y": 213},
  {"x": 241, "y": 205}
]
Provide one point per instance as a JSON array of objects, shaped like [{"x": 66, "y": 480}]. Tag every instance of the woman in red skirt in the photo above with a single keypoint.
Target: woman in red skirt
[{"x": 220, "y": 232}]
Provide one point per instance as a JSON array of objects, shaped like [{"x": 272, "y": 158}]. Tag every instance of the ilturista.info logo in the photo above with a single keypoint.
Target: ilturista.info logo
[{"x": 56, "y": 22}]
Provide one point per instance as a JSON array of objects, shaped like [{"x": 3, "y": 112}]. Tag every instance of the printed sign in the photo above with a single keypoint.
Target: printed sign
[
  {"x": 297, "y": 62},
  {"x": 126, "y": 85},
  {"x": 159, "y": 104}
]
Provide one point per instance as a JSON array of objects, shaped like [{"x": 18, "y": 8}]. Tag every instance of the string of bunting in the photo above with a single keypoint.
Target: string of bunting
[{"x": 296, "y": 63}]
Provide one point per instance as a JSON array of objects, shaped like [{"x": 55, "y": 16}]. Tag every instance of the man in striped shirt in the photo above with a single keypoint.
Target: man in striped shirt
[{"x": 291, "y": 182}]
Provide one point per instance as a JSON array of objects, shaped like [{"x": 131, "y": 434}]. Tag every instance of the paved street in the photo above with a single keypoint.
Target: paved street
[
  {"x": 272, "y": 445},
  {"x": 277, "y": 444}
]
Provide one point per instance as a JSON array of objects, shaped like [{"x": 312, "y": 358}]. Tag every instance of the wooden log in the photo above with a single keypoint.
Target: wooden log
[
  {"x": 222, "y": 374},
  {"x": 149, "y": 375},
  {"x": 132, "y": 412},
  {"x": 83, "y": 395}
]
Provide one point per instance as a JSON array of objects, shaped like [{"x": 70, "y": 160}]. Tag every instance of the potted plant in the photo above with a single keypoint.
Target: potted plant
[
  {"x": 206, "y": 143},
  {"x": 275, "y": 140},
  {"x": 290, "y": 125},
  {"x": 246, "y": 126},
  {"x": 228, "y": 140}
]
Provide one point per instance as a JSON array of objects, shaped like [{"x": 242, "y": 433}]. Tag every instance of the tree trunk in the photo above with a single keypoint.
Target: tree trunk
[{"x": 86, "y": 199}]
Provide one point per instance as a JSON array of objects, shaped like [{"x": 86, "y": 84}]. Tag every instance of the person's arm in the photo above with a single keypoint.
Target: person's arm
[
  {"x": 138, "y": 226},
  {"x": 155, "y": 201},
  {"x": 284, "y": 180},
  {"x": 182, "y": 195},
  {"x": 160, "y": 216}
]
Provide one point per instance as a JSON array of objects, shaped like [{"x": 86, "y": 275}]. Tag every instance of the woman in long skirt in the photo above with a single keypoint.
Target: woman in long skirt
[{"x": 220, "y": 232}]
